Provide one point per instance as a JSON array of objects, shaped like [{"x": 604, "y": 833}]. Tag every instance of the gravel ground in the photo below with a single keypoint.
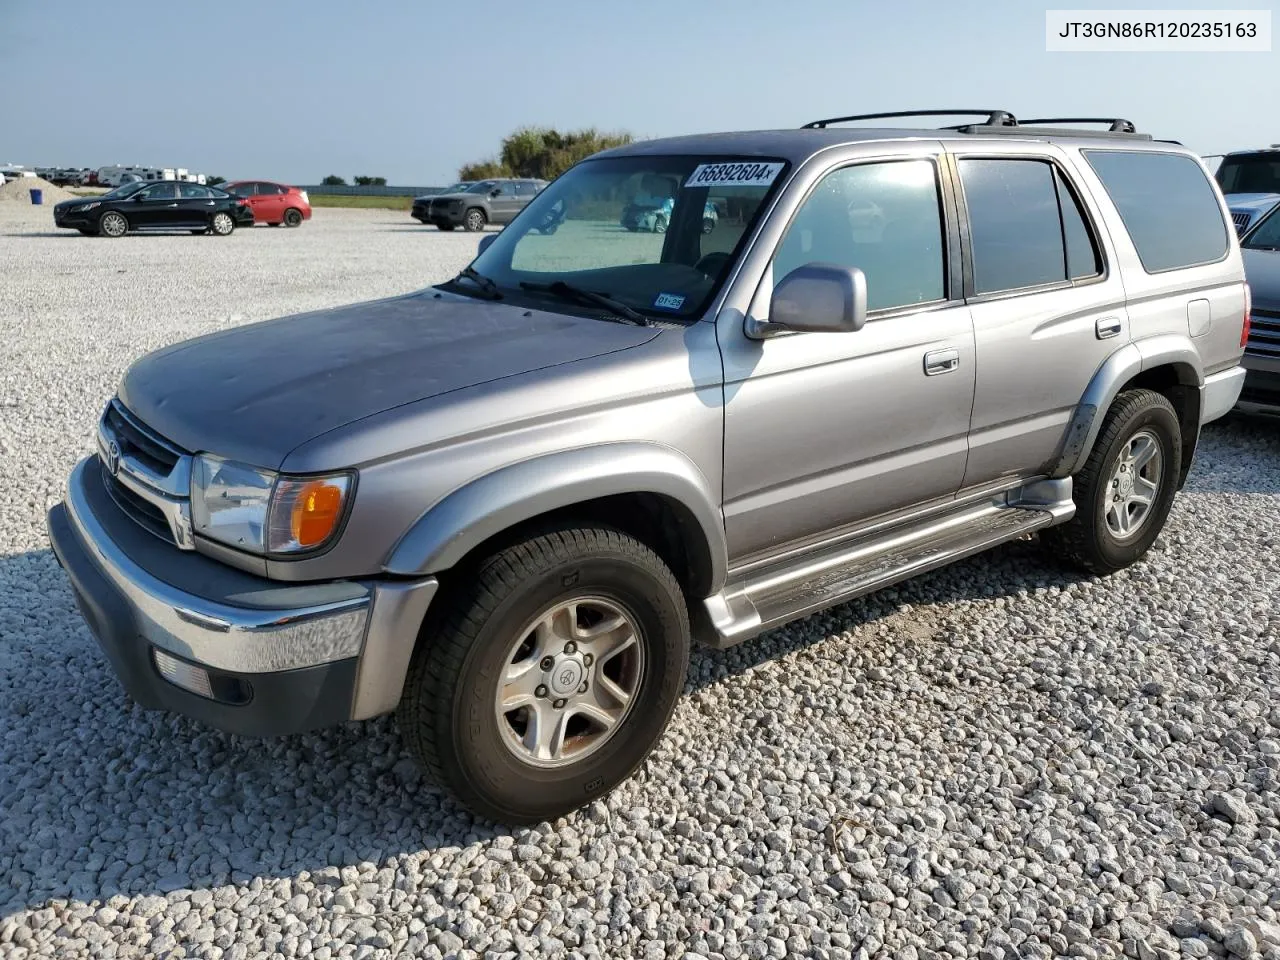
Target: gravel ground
[{"x": 999, "y": 760}]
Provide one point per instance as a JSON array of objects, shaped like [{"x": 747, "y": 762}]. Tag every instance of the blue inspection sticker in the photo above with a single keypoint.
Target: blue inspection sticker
[{"x": 669, "y": 301}]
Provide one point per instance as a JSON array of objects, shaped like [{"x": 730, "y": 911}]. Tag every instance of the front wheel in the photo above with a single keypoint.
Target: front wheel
[
  {"x": 1125, "y": 491},
  {"x": 113, "y": 224},
  {"x": 475, "y": 220},
  {"x": 222, "y": 224},
  {"x": 549, "y": 674},
  {"x": 446, "y": 227}
]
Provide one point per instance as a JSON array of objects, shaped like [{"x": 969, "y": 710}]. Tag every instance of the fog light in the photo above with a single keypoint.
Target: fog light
[{"x": 183, "y": 674}]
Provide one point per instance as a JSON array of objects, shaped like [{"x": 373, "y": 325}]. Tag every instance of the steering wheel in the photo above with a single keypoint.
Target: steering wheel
[{"x": 712, "y": 263}]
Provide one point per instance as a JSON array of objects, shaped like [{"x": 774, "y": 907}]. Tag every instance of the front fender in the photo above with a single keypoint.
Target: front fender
[{"x": 485, "y": 507}]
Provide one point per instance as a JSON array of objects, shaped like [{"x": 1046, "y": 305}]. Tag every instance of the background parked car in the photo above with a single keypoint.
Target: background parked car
[
  {"x": 1261, "y": 249},
  {"x": 154, "y": 207},
  {"x": 484, "y": 202},
  {"x": 1248, "y": 209},
  {"x": 421, "y": 205},
  {"x": 273, "y": 203},
  {"x": 1250, "y": 171}
]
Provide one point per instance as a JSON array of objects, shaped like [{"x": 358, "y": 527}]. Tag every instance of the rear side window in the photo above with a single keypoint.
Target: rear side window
[
  {"x": 1026, "y": 226},
  {"x": 1167, "y": 204},
  {"x": 192, "y": 191}
]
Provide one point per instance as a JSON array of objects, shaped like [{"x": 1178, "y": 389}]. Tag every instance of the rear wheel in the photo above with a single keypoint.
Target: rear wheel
[
  {"x": 222, "y": 224},
  {"x": 292, "y": 217},
  {"x": 445, "y": 226},
  {"x": 1125, "y": 491},
  {"x": 475, "y": 220},
  {"x": 549, "y": 674},
  {"x": 113, "y": 224}
]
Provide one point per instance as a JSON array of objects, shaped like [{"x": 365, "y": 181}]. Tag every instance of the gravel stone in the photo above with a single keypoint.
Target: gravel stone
[{"x": 1001, "y": 759}]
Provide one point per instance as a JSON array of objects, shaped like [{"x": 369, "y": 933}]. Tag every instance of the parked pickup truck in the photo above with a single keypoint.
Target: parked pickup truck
[{"x": 505, "y": 506}]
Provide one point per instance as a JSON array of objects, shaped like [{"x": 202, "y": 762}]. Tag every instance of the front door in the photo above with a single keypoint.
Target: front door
[
  {"x": 155, "y": 207},
  {"x": 824, "y": 431},
  {"x": 505, "y": 205}
]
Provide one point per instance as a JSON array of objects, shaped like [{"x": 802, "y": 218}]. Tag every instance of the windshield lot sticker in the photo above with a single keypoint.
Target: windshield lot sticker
[
  {"x": 733, "y": 175},
  {"x": 669, "y": 301}
]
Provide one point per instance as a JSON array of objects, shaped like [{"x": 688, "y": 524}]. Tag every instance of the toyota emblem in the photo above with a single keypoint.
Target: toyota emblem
[{"x": 113, "y": 458}]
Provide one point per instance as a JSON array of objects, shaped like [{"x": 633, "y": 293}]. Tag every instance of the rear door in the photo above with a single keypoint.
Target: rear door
[
  {"x": 1047, "y": 300},
  {"x": 270, "y": 206},
  {"x": 195, "y": 204}
]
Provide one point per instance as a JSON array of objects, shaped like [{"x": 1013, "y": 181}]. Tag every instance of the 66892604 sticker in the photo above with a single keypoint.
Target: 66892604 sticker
[{"x": 737, "y": 174}]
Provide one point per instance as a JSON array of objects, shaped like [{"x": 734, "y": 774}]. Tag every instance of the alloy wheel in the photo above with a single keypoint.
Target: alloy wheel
[{"x": 1134, "y": 485}]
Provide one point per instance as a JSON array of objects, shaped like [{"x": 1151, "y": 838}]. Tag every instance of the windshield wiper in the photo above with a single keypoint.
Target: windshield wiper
[
  {"x": 570, "y": 292},
  {"x": 488, "y": 288}
]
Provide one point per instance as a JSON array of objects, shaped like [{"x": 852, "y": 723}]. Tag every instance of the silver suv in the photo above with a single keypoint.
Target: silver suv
[{"x": 506, "y": 505}]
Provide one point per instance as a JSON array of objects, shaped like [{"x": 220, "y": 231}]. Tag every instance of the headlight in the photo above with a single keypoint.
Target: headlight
[
  {"x": 86, "y": 206},
  {"x": 261, "y": 512}
]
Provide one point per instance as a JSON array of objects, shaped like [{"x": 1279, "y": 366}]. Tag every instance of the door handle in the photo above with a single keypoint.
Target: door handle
[
  {"x": 1107, "y": 327},
  {"x": 170, "y": 204},
  {"x": 941, "y": 361}
]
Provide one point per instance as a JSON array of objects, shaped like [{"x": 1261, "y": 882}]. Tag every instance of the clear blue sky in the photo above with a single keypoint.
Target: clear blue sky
[{"x": 294, "y": 90}]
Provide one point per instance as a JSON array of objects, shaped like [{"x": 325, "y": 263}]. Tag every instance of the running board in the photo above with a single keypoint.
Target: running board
[{"x": 768, "y": 598}]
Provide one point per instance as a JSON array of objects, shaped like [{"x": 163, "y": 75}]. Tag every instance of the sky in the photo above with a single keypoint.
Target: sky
[{"x": 410, "y": 89}]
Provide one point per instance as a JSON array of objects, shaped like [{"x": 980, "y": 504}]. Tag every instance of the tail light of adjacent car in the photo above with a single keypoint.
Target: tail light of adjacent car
[
  {"x": 1248, "y": 315},
  {"x": 303, "y": 195}
]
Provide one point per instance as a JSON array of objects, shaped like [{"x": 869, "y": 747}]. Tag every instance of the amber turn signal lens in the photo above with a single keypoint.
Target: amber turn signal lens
[{"x": 317, "y": 507}]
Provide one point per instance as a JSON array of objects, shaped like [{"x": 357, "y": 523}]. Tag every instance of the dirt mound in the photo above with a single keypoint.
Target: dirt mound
[{"x": 19, "y": 190}]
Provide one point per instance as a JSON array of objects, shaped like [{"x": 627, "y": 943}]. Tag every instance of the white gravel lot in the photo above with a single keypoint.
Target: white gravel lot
[{"x": 1000, "y": 760}]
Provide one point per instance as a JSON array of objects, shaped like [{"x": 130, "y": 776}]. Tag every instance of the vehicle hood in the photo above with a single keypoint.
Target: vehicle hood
[
  {"x": 1262, "y": 271},
  {"x": 458, "y": 195},
  {"x": 256, "y": 392}
]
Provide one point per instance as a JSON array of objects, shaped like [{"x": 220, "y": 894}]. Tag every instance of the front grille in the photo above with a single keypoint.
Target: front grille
[
  {"x": 138, "y": 442},
  {"x": 1241, "y": 220},
  {"x": 1264, "y": 334},
  {"x": 146, "y": 515}
]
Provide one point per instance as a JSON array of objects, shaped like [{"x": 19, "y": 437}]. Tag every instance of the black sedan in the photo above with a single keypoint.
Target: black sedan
[{"x": 167, "y": 206}]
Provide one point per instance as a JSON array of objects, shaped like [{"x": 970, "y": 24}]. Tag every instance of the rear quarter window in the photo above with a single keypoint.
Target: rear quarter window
[{"x": 1168, "y": 206}]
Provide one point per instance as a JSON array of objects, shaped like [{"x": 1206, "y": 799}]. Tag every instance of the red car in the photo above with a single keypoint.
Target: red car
[{"x": 272, "y": 203}]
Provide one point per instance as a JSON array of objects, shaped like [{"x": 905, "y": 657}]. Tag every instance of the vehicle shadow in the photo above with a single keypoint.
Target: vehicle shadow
[
  {"x": 102, "y": 798},
  {"x": 1238, "y": 455}
]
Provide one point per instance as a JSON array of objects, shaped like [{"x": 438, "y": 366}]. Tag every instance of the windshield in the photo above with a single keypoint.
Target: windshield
[
  {"x": 123, "y": 190},
  {"x": 480, "y": 187},
  {"x": 1255, "y": 173},
  {"x": 657, "y": 234},
  {"x": 1266, "y": 235}
]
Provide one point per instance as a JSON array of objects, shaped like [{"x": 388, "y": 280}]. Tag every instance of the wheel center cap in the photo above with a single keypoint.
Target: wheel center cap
[
  {"x": 1126, "y": 484},
  {"x": 566, "y": 676}
]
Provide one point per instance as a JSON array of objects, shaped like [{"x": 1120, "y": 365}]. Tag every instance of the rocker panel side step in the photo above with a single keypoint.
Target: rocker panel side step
[{"x": 778, "y": 595}]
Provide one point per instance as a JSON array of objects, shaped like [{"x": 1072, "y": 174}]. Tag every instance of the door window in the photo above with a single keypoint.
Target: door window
[
  {"x": 193, "y": 191},
  {"x": 161, "y": 191},
  {"x": 525, "y": 189},
  {"x": 1026, "y": 226},
  {"x": 885, "y": 219}
]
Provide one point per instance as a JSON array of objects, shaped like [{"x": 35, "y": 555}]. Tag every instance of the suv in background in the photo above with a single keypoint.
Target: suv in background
[
  {"x": 1261, "y": 248},
  {"x": 422, "y": 204},
  {"x": 273, "y": 203},
  {"x": 505, "y": 506},
  {"x": 482, "y": 203},
  {"x": 1250, "y": 171}
]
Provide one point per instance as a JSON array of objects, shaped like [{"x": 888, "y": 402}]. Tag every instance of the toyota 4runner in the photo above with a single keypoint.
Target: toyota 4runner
[{"x": 504, "y": 506}]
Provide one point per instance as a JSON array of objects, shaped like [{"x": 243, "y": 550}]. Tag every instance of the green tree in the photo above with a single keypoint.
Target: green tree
[
  {"x": 370, "y": 181},
  {"x": 543, "y": 153},
  {"x": 333, "y": 181}
]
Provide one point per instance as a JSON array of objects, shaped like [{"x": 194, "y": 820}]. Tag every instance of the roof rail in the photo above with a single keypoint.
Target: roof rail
[
  {"x": 1115, "y": 124},
  {"x": 994, "y": 118}
]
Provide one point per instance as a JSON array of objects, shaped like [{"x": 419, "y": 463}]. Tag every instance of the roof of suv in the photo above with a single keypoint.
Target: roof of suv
[{"x": 797, "y": 144}]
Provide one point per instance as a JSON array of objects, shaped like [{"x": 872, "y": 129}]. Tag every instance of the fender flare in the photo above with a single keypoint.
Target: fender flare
[
  {"x": 482, "y": 508},
  {"x": 1117, "y": 370}
]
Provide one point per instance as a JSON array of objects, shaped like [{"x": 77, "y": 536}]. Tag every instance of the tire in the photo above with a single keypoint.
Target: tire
[
  {"x": 1095, "y": 538},
  {"x": 293, "y": 217},
  {"x": 449, "y": 715},
  {"x": 474, "y": 221},
  {"x": 222, "y": 224},
  {"x": 113, "y": 224},
  {"x": 273, "y": 224},
  {"x": 659, "y": 224},
  {"x": 445, "y": 226},
  {"x": 708, "y": 225}
]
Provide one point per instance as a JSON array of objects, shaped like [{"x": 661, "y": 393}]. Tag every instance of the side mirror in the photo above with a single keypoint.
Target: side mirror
[
  {"x": 820, "y": 298},
  {"x": 484, "y": 243},
  {"x": 496, "y": 191}
]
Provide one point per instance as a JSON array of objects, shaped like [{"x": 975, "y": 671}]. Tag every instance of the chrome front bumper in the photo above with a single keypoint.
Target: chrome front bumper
[{"x": 257, "y": 628}]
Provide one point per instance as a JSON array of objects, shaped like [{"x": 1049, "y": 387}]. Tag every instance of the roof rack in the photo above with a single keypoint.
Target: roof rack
[
  {"x": 995, "y": 118},
  {"x": 1115, "y": 124},
  {"x": 1002, "y": 122}
]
